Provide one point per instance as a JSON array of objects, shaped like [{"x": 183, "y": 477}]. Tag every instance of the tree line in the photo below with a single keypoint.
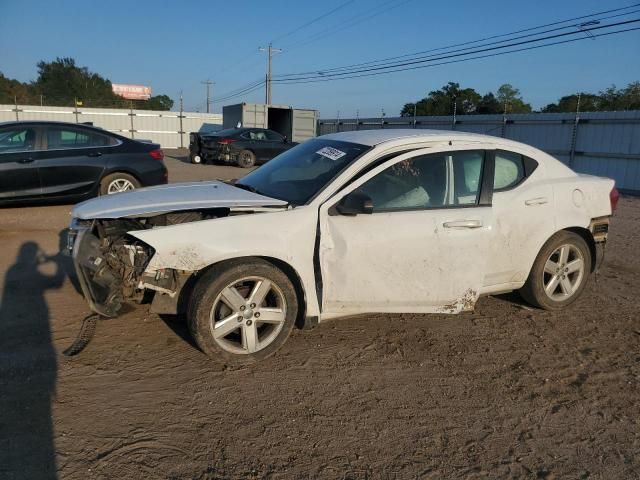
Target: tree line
[
  {"x": 63, "y": 83},
  {"x": 507, "y": 99}
]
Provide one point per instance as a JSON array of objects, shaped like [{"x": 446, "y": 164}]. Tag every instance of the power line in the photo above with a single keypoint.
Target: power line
[
  {"x": 243, "y": 91},
  {"x": 291, "y": 82},
  {"x": 415, "y": 54},
  {"x": 348, "y": 23},
  {"x": 398, "y": 65},
  {"x": 311, "y": 22}
]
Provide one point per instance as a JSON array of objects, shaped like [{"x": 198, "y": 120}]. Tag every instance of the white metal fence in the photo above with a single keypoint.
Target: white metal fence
[
  {"x": 169, "y": 129},
  {"x": 599, "y": 143}
]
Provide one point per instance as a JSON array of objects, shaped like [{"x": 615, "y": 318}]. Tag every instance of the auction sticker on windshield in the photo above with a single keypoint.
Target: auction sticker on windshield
[{"x": 331, "y": 153}]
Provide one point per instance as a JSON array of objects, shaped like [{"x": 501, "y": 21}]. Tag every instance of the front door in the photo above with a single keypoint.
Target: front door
[
  {"x": 423, "y": 249},
  {"x": 18, "y": 163}
]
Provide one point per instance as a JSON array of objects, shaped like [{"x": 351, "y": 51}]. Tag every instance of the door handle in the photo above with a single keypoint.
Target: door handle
[
  {"x": 536, "y": 201},
  {"x": 95, "y": 154},
  {"x": 26, "y": 160},
  {"x": 463, "y": 224}
]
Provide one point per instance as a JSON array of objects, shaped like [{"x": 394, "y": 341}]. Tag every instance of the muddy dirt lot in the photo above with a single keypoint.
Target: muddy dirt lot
[{"x": 505, "y": 392}]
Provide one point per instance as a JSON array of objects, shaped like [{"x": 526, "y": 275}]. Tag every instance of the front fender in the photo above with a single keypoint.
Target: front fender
[{"x": 287, "y": 235}]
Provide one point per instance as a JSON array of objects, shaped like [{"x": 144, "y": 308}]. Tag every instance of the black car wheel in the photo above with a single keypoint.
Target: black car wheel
[
  {"x": 195, "y": 158},
  {"x": 118, "y": 182},
  {"x": 246, "y": 159}
]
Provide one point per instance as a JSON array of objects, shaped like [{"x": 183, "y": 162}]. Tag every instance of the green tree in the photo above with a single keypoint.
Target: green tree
[
  {"x": 158, "y": 102},
  {"x": 511, "y": 100},
  {"x": 443, "y": 101},
  {"x": 489, "y": 104},
  {"x": 62, "y": 81}
]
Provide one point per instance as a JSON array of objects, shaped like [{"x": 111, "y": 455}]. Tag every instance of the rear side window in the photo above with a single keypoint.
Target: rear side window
[
  {"x": 69, "y": 137},
  {"x": 17, "y": 139},
  {"x": 511, "y": 169},
  {"x": 273, "y": 136}
]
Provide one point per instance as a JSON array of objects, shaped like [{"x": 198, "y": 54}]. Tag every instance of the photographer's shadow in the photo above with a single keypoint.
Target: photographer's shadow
[{"x": 28, "y": 365}]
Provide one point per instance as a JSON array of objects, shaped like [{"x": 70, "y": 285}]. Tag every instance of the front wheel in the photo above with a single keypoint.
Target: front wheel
[
  {"x": 241, "y": 313},
  {"x": 559, "y": 273},
  {"x": 195, "y": 158}
]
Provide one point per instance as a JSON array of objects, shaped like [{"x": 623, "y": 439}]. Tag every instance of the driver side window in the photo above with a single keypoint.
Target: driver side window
[{"x": 428, "y": 181}]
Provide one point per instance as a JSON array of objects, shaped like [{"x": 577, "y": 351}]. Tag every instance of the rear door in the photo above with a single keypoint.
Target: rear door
[
  {"x": 18, "y": 162},
  {"x": 523, "y": 208},
  {"x": 73, "y": 160},
  {"x": 424, "y": 247},
  {"x": 260, "y": 145}
]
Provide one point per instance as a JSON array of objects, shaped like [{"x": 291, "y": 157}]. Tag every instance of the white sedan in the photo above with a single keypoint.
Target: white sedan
[{"x": 370, "y": 221}]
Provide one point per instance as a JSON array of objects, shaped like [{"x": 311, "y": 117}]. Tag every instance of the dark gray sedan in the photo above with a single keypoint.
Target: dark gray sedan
[{"x": 56, "y": 161}]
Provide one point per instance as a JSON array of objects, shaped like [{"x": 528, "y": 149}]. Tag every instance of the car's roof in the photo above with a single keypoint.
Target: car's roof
[
  {"x": 48, "y": 122},
  {"x": 376, "y": 137}
]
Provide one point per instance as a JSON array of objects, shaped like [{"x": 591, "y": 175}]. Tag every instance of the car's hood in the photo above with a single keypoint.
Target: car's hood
[{"x": 170, "y": 198}]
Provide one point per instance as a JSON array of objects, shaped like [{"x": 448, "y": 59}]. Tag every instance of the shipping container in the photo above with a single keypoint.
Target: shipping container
[{"x": 296, "y": 124}]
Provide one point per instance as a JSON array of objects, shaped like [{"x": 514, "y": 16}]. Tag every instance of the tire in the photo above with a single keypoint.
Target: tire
[
  {"x": 246, "y": 159},
  {"x": 244, "y": 338},
  {"x": 195, "y": 158},
  {"x": 559, "y": 276},
  {"x": 108, "y": 185}
]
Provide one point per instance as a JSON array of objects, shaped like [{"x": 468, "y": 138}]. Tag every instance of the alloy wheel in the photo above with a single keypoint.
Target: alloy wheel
[
  {"x": 120, "y": 185},
  {"x": 563, "y": 272},
  {"x": 247, "y": 315}
]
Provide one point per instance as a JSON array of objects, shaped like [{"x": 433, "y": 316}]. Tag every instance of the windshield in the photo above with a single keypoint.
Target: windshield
[{"x": 298, "y": 174}]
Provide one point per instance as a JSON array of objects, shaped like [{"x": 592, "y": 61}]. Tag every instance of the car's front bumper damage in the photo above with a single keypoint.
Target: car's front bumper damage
[{"x": 111, "y": 271}]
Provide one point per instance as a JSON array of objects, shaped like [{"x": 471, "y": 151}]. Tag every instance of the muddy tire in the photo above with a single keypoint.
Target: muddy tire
[
  {"x": 559, "y": 273},
  {"x": 242, "y": 312},
  {"x": 118, "y": 182},
  {"x": 246, "y": 159}
]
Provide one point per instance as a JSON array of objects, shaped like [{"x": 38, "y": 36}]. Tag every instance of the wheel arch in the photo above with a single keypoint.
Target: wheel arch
[
  {"x": 587, "y": 236},
  {"x": 119, "y": 169},
  {"x": 285, "y": 267}
]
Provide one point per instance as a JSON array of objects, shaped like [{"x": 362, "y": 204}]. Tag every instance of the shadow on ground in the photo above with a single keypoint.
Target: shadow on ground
[{"x": 28, "y": 365}]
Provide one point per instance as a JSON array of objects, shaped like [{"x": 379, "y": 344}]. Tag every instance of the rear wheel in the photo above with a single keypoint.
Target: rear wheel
[
  {"x": 118, "y": 182},
  {"x": 559, "y": 273},
  {"x": 242, "y": 312},
  {"x": 246, "y": 159},
  {"x": 195, "y": 158}
]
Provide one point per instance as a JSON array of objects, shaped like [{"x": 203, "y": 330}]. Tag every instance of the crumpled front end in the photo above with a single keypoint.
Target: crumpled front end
[{"x": 109, "y": 264}]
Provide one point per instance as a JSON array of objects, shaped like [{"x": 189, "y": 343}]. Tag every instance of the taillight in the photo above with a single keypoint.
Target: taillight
[
  {"x": 614, "y": 196},
  {"x": 225, "y": 141},
  {"x": 158, "y": 154}
]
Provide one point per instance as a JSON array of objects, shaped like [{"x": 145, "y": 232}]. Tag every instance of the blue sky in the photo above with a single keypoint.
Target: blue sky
[{"x": 172, "y": 46}]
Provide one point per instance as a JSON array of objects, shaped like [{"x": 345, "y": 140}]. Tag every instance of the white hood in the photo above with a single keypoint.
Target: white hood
[{"x": 170, "y": 198}]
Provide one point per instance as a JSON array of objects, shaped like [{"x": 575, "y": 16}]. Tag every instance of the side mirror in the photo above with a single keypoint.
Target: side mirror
[{"x": 355, "y": 203}]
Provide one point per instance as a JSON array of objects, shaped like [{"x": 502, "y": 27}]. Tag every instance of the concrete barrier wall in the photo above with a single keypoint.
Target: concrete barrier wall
[{"x": 169, "y": 129}]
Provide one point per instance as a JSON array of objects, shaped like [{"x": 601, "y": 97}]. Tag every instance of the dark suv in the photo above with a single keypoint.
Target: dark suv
[{"x": 245, "y": 147}]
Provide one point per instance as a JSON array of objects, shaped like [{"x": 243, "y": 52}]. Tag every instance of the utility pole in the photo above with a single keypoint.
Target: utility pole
[
  {"x": 208, "y": 83},
  {"x": 270, "y": 53},
  {"x": 181, "y": 117}
]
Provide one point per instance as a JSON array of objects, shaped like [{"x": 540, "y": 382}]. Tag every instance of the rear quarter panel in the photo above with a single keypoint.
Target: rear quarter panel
[{"x": 579, "y": 199}]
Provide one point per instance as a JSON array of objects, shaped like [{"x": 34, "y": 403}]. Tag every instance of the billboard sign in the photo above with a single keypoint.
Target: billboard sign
[{"x": 132, "y": 92}]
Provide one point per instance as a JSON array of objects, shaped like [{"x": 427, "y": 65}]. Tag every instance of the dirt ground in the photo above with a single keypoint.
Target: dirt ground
[{"x": 504, "y": 392}]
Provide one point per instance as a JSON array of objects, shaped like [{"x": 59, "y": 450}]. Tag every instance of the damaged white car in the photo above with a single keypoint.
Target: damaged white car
[{"x": 349, "y": 223}]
